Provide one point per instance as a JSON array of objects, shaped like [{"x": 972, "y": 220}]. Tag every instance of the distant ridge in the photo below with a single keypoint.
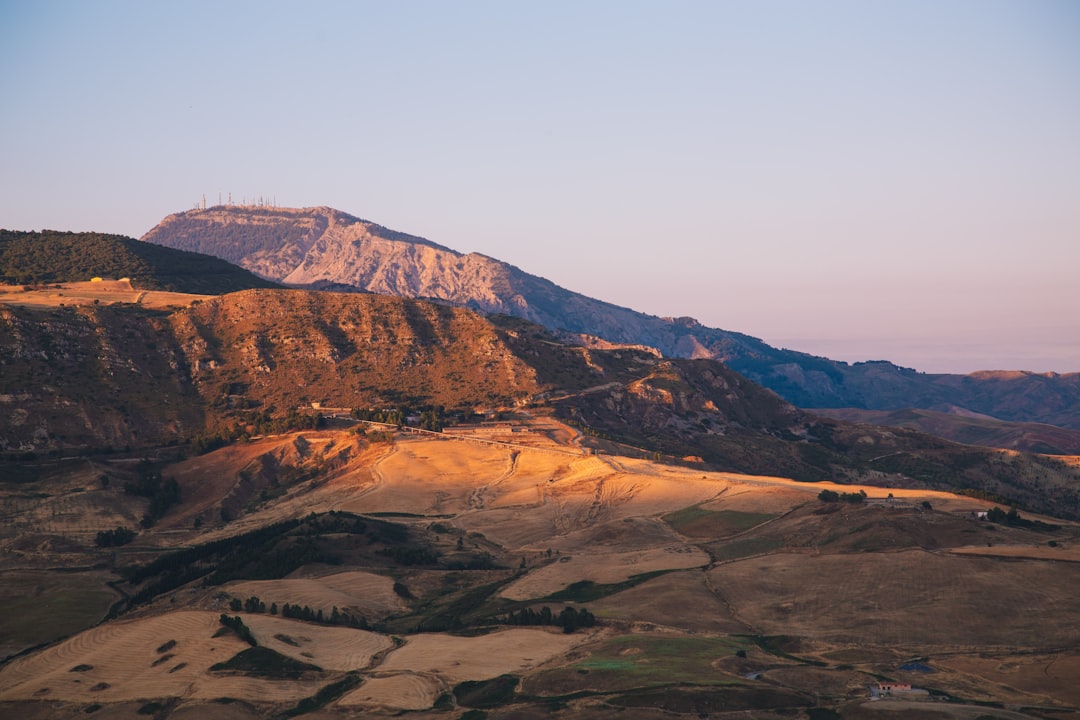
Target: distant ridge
[
  {"x": 323, "y": 247},
  {"x": 51, "y": 256}
]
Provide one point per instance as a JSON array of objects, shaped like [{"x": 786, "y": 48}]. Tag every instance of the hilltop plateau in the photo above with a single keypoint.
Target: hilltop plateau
[{"x": 325, "y": 247}]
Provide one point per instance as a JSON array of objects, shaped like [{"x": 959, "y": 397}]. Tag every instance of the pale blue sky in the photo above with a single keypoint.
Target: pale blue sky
[{"x": 863, "y": 180}]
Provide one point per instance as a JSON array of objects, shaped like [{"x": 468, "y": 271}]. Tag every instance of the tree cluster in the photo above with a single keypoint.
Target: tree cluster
[
  {"x": 831, "y": 496},
  {"x": 570, "y": 619},
  {"x": 1012, "y": 518},
  {"x": 388, "y": 416},
  {"x": 411, "y": 554},
  {"x": 114, "y": 538},
  {"x": 163, "y": 494},
  {"x": 237, "y": 626},
  {"x": 255, "y": 605},
  {"x": 52, "y": 256}
]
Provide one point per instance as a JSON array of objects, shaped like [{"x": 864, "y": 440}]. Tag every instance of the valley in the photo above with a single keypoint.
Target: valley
[{"x": 712, "y": 592}]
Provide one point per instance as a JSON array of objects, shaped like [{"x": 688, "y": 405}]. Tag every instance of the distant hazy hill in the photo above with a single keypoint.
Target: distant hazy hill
[
  {"x": 50, "y": 256},
  {"x": 322, "y": 247},
  {"x": 117, "y": 376},
  {"x": 970, "y": 429}
]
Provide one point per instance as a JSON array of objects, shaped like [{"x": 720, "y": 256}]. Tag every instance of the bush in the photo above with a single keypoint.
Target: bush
[{"x": 114, "y": 538}]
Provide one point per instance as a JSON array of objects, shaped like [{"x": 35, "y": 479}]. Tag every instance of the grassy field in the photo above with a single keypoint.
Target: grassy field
[
  {"x": 716, "y": 594},
  {"x": 39, "y": 607},
  {"x": 697, "y": 522}
]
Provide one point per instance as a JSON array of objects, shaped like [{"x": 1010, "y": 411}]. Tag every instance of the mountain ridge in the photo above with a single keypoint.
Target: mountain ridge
[
  {"x": 51, "y": 256},
  {"x": 100, "y": 377},
  {"x": 314, "y": 246}
]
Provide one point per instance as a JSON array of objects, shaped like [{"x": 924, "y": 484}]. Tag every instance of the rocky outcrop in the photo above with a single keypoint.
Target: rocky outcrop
[{"x": 326, "y": 248}]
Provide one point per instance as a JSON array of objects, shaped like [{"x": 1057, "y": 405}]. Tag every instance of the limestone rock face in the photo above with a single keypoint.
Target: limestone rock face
[{"x": 325, "y": 249}]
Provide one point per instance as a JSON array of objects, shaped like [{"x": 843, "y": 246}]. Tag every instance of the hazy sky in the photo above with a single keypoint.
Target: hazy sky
[{"x": 862, "y": 180}]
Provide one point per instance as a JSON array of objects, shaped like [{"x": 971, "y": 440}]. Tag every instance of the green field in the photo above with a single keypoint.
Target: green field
[
  {"x": 642, "y": 661},
  {"x": 696, "y": 522}
]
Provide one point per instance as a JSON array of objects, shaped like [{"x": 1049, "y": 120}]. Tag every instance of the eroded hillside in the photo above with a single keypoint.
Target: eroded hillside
[
  {"x": 93, "y": 378},
  {"x": 325, "y": 247}
]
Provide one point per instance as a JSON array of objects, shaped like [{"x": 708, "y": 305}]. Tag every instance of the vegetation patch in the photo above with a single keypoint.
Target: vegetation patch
[
  {"x": 264, "y": 662},
  {"x": 237, "y": 626},
  {"x": 486, "y": 693},
  {"x": 274, "y": 551},
  {"x": 642, "y": 661},
  {"x": 854, "y": 498},
  {"x": 325, "y": 695},
  {"x": 76, "y": 601},
  {"x": 742, "y": 548},
  {"x": 54, "y": 256},
  {"x": 588, "y": 591},
  {"x": 698, "y": 522},
  {"x": 114, "y": 538},
  {"x": 779, "y": 645}
]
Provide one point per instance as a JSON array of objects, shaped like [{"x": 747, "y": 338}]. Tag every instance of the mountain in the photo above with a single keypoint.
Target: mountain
[
  {"x": 322, "y": 247},
  {"x": 51, "y": 256},
  {"x": 82, "y": 379}
]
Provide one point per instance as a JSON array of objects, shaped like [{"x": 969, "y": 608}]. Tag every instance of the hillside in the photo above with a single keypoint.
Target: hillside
[
  {"x": 325, "y": 247},
  {"x": 433, "y": 578},
  {"x": 78, "y": 379},
  {"x": 49, "y": 256},
  {"x": 970, "y": 429}
]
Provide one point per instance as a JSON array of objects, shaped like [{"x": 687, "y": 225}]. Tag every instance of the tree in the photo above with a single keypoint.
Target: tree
[{"x": 114, "y": 538}]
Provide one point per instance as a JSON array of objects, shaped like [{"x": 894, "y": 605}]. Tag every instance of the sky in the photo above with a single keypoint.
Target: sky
[{"x": 862, "y": 180}]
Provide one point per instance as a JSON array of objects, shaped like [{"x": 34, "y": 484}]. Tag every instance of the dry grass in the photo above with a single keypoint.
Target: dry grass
[
  {"x": 853, "y": 586},
  {"x": 676, "y": 600},
  {"x": 456, "y": 659},
  {"x": 406, "y": 691},
  {"x": 331, "y": 648},
  {"x": 606, "y": 568},
  {"x": 1034, "y": 679},
  {"x": 909, "y": 599},
  {"x": 1070, "y": 553},
  {"x": 37, "y": 606},
  {"x": 122, "y": 655},
  {"x": 368, "y": 594},
  {"x": 120, "y": 662},
  {"x": 107, "y": 292}
]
